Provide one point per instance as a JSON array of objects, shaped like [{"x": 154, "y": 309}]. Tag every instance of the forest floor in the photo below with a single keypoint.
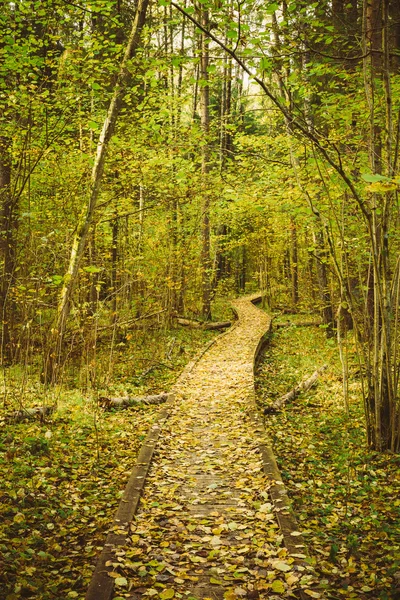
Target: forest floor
[
  {"x": 346, "y": 498},
  {"x": 62, "y": 480}
]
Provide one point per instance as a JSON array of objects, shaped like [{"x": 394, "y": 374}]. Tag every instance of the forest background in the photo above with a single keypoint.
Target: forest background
[{"x": 155, "y": 158}]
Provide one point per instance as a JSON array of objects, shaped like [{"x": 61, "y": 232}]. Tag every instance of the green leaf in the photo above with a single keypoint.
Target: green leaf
[
  {"x": 92, "y": 269},
  {"x": 278, "y": 587},
  {"x": 166, "y": 594},
  {"x": 272, "y": 8},
  {"x": 121, "y": 581},
  {"x": 264, "y": 63},
  {"x": 372, "y": 178},
  {"x": 57, "y": 279}
]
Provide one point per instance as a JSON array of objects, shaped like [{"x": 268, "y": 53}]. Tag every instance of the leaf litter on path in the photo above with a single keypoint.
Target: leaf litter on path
[{"x": 205, "y": 526}]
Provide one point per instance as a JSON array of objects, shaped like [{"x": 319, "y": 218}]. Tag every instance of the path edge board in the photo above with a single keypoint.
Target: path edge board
[
  {"x": 101, "y": 586},
  {"x": 285, "y": 516}
]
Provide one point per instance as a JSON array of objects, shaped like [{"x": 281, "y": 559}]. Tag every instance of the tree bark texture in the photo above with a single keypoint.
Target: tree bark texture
[
  {"x": 205, "y": 169},
  {"x": 321, "y": 254},
  {"x": 295, "y": 271}
]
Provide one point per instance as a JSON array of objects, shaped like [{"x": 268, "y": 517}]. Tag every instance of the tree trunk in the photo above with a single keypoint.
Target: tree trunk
[
  {"x": 226, "y": 109},
  {"x": 220, "y": 257},
  {"x": 338, "y": 15},
  {"x": 54, "y": 352},
  {"x": 295, "y": 271},
  {"x": 323, "y": 283},
  {"x": 225, "y": 150},
  {"x": 304, "y": 386},
  {"x": 114, "y": 260},
  {"x": 205, "y": 169},
  {"x": 395, "y": 28},
  {"x": 7, "y": 244},
  {"x": 241, "y": 269}
]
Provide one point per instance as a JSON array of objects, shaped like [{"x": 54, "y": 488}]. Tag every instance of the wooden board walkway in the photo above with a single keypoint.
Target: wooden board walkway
[{"x": 213, "y": 520}]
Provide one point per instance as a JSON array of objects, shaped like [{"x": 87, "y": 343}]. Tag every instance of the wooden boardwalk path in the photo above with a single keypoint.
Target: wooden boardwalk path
[{"x": 206, "y": 525}]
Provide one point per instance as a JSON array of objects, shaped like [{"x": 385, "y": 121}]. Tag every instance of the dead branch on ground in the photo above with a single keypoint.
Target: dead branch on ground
[
  {"x": 304, "y": 386},
  {"x": 210, "y": 326},
  {"x": 27, "y": 414}
]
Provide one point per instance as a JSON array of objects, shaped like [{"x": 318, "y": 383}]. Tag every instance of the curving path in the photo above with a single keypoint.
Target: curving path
[{"x": 206, "y": 527}]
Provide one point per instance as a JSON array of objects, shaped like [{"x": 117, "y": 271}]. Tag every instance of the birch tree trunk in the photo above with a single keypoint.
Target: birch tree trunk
[
  {"x": 54, "y": 352},
  {"x": 114, "y": 269},
  {"x": 205, "y": 168},
  {"x": 226, "y": 140}
]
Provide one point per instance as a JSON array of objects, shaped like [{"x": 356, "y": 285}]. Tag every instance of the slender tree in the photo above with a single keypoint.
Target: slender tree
[
  {"x": 205, "y": 168},
  {"x": 54, "y": 353}
]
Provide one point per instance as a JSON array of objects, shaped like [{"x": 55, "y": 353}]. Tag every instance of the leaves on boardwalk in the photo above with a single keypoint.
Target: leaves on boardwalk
[{"x": 206, "y": 526}]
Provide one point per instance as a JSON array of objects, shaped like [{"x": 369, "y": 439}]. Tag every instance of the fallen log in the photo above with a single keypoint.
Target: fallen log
[
  {"x": 210, "y": 326},
  {"x": 302, "y": 387},
  {"x": 217, "y": 325},
  {"x": 188, "y": 322},
  {"x": 26, "y": 414},
  {"x": 126, "y": 402}
]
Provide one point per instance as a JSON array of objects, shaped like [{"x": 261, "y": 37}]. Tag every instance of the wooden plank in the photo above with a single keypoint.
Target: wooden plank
[
  {"x": 287, "y": 522},
  {"x": 102, "y": 585}
]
